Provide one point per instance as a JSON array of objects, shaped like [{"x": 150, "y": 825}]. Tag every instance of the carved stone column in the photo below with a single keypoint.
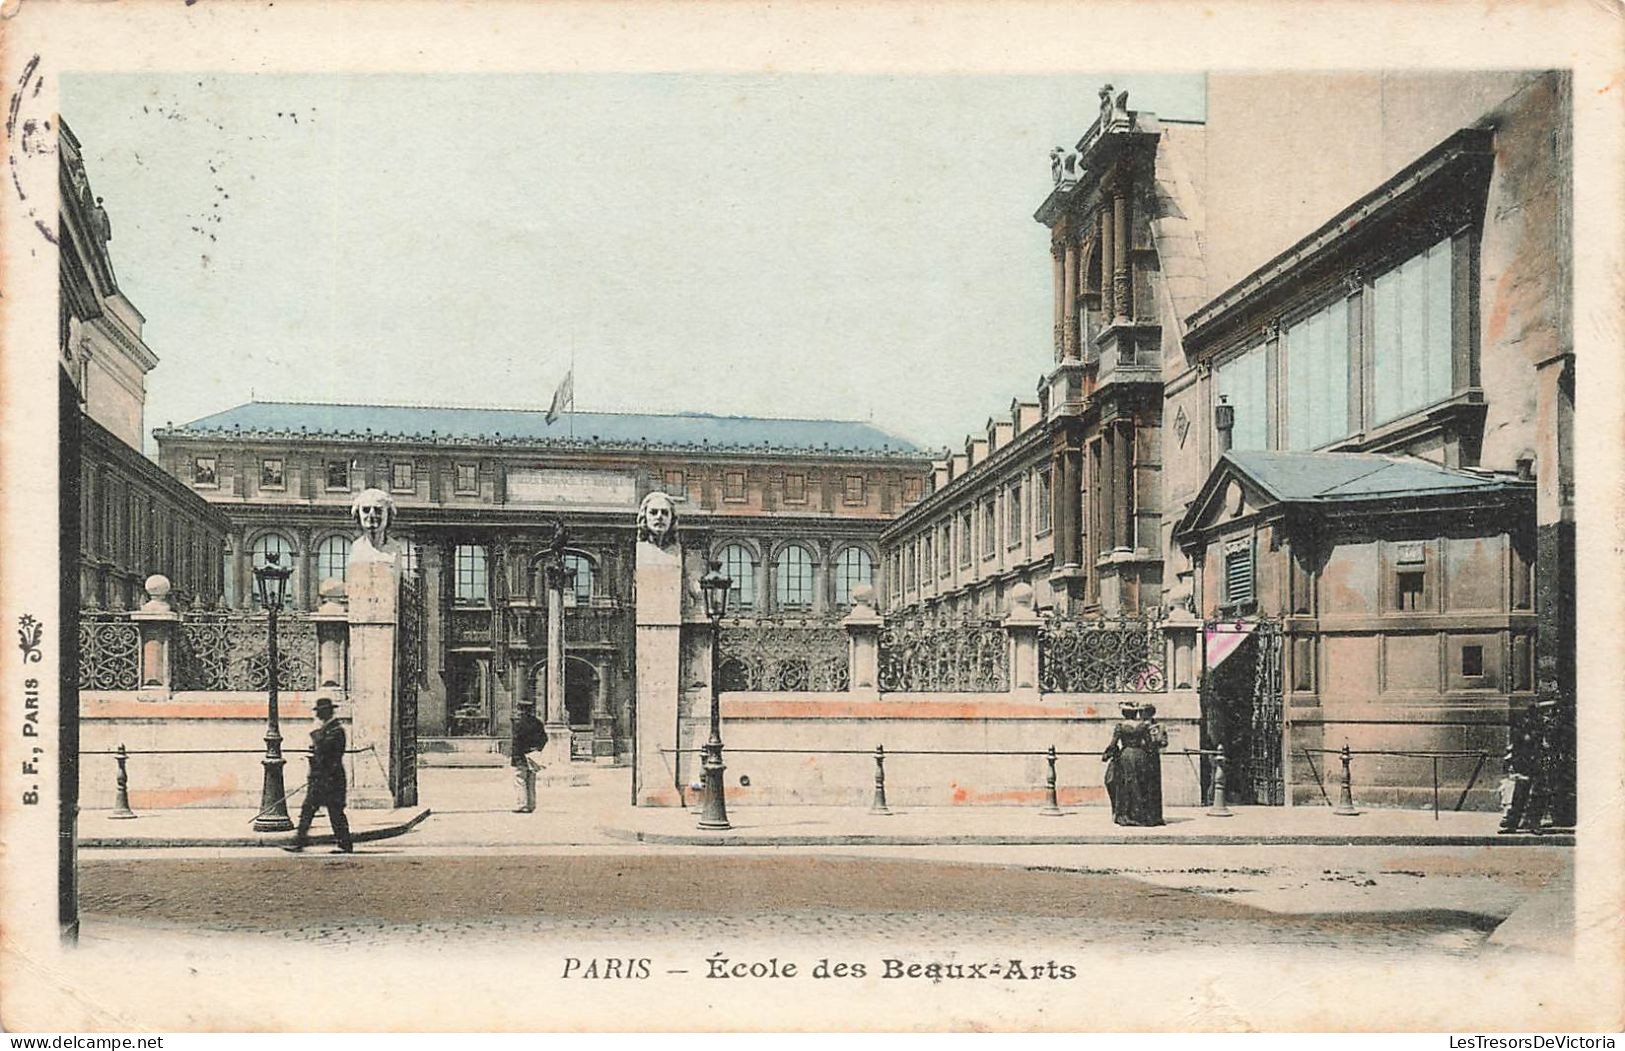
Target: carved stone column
[
  {"x": 1069, "y": 301},
  {"x": 1122, "y": 290},
  {"x": 1123, "y": 484},
  {"x": 1059, "y": 272},
  {"x": 603, "y": 722},
  {"x": 1108, "y": 261},
  {"x": 555, "y": 720}
]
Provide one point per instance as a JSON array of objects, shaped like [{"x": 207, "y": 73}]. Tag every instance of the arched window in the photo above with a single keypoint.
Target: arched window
[
  {"x": 275, "y": 543},
  {"x": 578, "y": 580},
  {"x": 331, "y": 556},
  {"x": 793, "y": 577},
  {"x": 737, "y": 566},
  {"x": 853, "y": 568}
]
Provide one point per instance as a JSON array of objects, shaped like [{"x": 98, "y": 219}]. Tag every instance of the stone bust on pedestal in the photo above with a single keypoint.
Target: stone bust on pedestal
[
  {"x": 657, "y": 520},
  {"x": 374, "y": 513}
]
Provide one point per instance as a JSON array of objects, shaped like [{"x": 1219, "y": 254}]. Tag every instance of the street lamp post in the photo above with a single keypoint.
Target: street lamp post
[
  {"x": 271, "y": 581},
  {"x": 714, "y": 586}
]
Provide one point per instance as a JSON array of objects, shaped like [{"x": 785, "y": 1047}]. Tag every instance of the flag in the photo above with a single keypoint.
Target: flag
[
  {"x": 1224, "y": 640},
  {"x": 564, "y": 397}
]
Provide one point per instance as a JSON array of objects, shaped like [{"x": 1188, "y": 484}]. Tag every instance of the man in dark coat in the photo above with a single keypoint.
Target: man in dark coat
[
  {"x": 328, "y": 786},
  {"x": 528, "y": 737},
  {"x": 1522, "y": 767}
]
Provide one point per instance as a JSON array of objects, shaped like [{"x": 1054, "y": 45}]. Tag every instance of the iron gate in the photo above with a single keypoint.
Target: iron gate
[
  {"x": 1242, "y": 709},
  {"x": 409, "y": 668}
]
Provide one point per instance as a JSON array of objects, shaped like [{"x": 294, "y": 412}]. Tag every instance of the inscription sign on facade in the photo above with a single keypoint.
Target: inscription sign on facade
[{"x": 543, "y": 485}]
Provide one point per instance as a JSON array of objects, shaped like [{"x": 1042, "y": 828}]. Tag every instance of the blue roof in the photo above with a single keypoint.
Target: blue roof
[
  {"x": 529, "y": 426},
  {"x": 1353, "y": 476}
]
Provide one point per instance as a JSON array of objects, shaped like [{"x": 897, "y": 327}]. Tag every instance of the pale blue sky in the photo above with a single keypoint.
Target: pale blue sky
[{"x": 796, "y": 245}]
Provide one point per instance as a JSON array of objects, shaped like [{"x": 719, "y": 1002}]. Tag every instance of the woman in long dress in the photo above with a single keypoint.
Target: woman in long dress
[{"x": 1134, "y": 767}]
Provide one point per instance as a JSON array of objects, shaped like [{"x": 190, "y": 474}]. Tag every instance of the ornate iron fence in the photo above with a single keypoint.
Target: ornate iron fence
[
  {"x": 790, "y": 655},
  {"x": 109, "y": 652},
  {"x": 1101, "y": 656},
  {"x": 228, "y": 651},
  {"x": 924, "y": 656}
]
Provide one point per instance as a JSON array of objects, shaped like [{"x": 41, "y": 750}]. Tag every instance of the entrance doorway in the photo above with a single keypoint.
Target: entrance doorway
[
  {"x": 1242, "y": 710},
  {"x": 580, "y": 693},
  {"x": 468, "y": 697}
]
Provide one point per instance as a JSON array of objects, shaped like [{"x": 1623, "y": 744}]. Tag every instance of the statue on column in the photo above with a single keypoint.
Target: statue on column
[
  {"x": 657, "y": 520},
  {"x": 374, "y": 513}
]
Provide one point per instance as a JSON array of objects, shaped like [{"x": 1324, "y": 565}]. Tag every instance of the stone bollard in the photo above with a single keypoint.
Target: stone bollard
[
  {"x": 1218, "y": 809},
  {"x": 121, "y": 803},
  {"x": 880, "y": 806},
  {"x": 1052, "y": 805},
  {"x": 1345, "y": 794}
]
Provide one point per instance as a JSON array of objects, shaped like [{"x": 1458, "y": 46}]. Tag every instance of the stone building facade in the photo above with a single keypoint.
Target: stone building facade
[
  {"x": 134, "y": 520},
  {"x": 1362, "y": 276},
  {"x": 792, "y": 508}
]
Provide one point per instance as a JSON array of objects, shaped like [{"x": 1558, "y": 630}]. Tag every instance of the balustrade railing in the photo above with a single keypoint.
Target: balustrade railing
[
  {"x": 798, "y": 656},
  {"x": 925, "y": 656},
  {"x": 1101, "y": 656},
  {"x": 109, "y": 652},
  {"x": 229, "y": 652}
]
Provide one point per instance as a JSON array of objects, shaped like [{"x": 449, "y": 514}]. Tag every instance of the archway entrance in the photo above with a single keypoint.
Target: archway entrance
[{"x": 1242, "y": 710}]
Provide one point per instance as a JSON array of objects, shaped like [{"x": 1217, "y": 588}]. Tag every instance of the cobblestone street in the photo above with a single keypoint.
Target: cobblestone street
[{"x": 1355, "y": 900}]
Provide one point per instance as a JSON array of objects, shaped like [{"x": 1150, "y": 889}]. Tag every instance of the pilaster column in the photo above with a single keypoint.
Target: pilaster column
[
  {"x": 1069, "y": 301},
  {"x": 1058, "y": 273},
  {"x": 1106, "y": 489},
  {"x": 603, "y": 723},
  {"x": 156, "y": 623},
  {"x": 1122, "y": 290},
  {"x": 1108, "y": 260},
  {"x": 1122, "y": 484}
]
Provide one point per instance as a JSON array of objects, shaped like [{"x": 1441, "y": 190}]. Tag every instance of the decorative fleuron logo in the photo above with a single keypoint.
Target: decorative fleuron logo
[
  {"x": 29, "y": 634},
  {"x": 1182, "y": 425}
]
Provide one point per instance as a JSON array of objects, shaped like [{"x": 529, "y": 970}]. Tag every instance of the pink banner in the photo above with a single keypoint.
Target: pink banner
[{"x": 1224, "y": 640}]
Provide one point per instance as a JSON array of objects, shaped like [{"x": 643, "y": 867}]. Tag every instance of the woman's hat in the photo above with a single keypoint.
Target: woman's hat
[{"x": 1147, "y": 711}]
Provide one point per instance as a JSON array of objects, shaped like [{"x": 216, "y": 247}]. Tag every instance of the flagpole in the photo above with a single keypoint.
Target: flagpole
[{"x": 572, "y": 375}]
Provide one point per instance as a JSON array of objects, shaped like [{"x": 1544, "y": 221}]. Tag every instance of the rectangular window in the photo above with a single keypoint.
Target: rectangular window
[
  {"x": 1317, "y": 378},
  {"x": 912, "y": 487},
  {"x": 676, "y": 484},
  {"x": 964, "y": 537},
  {"x": 203, "y": 471},
  {"x": 1013, "y": 521},
  {"x": 1244, "y": 382},
  {"x": 271, "y": 474},
  {"x": 1041, "y": 504},
  {"x": 795, "y": 488},
  {"x": 1238, "y": 575},
  {"x": 990, "y": 528},
  {"x": 733, "y": 485},
  {"x": 1411, "y": 334},
  {"x": 854, "y": 489},
  {"x": 471, "y": 581},
  {"x": 468, "y": 478},
  {"x": 401, "y": 477},
  {"x": 1472, "y": 662},
  {"x": 945, "y": 550},
  {"x": 338, "y": 475},
  {"x": 1411, "y": 592},
  {"x": 925, "y": 560}
]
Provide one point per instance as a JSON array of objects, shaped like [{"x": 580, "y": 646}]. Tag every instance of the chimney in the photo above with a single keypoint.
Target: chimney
[
  {"x": 1526, "y": 468},
  {"x": 1224, "y": 421}
]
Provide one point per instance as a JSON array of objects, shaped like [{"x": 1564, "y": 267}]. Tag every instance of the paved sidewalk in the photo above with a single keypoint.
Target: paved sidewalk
[{"x": 463, "y": 807}]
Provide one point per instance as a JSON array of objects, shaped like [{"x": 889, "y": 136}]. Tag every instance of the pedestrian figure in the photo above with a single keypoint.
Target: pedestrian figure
[
  {"x": 528, "y": 739},
  {"x": 1134, "y": 766},
  {"x": 327, "y": 785}
]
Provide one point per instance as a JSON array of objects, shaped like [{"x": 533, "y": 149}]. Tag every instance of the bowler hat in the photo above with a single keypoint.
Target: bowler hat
[{"x": 324, "y": 704}]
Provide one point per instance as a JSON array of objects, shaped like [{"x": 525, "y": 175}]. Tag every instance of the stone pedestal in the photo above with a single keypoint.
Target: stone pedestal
[
  {"x": 863, "y": 626},
  {"x": 374, "y": 594},
  {"x": 1022, "y": 627},
  {"x": 157, "y": 624},
  {"x": 659, "y": 618}
]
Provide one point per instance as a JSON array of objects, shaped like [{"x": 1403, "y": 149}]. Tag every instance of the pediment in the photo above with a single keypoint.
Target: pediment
[{"x": 1228, "y": 495}]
